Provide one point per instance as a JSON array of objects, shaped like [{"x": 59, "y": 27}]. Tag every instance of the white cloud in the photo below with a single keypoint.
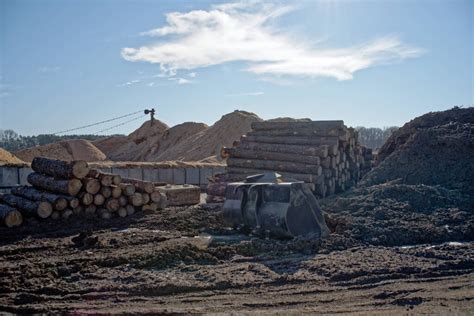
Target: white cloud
[
  {"x": 180, "y": 80},
  {"x": 129, "y": 83},
  {"x": 245, "y": 94},
  {"x": 192, "y": 74},
  {"x": 150, "y": 84},
  {"x": 244, "y": 31}
]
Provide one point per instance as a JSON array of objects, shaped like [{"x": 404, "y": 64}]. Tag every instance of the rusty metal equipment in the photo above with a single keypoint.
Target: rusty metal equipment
[{"x": 273, "y": 208}]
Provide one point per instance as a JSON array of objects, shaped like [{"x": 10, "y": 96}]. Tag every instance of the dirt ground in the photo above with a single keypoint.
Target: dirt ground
[{"x": 166, "y": 262}]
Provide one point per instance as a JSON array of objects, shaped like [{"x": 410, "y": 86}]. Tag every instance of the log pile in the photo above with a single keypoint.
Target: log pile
[
  {"x": 61, "y": 189},
  {"x": 325, "y": 153}
]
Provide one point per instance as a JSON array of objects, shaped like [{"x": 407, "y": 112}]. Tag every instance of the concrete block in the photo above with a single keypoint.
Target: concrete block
[
  {"x": 179, "y": 176},
  {"x": 150, "y": 175},
  {"x": 9, "y": 176},
  {"x": 217, "y": 170},
  {"x": 135, "y": 173},
  {"x": 165, "y": 175},
  {"x": 192, "y": 175},
  {"x": 123, "y": 172},
  {"x": 204, "y": 173},
  {"x": 23, "y": 175}
]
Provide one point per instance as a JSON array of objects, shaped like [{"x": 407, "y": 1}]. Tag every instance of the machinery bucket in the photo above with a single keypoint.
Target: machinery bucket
[{"x": 286, "y": 209}]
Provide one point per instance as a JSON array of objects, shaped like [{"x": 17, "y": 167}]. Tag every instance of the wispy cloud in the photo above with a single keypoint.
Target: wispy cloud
[
  {"x": 129, "y": 83},
  {"x": 246, "y": 32},
  {"x": 48, "y": 69},
  {"x": 180, "y": 80},
  {"x": 245, "y": 94},
  {"x": 192, "y": 74},
  {"x": 5, "y": 90}
]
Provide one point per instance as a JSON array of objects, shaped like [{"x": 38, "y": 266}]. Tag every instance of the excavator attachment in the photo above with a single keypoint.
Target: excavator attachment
[{"x": 270, "y": 207}]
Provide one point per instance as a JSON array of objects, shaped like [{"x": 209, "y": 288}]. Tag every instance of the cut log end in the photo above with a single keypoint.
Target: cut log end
[
  {"x": 44, "y": 209},
  {"x": 80, "y": 169},
  {"x": 13, "y": 218},
  {"x": 74, "y": 186}
]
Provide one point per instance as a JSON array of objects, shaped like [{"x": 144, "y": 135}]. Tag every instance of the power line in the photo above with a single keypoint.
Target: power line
[
  {"x": 123, "y": 123},
  {"x": 93, "y": 124}
]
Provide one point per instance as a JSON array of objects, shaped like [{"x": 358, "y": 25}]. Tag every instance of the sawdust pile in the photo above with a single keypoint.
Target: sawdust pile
[
  {"x": 188, "y": 141},
  {"x": 433, "y": 149},
  {"x": 134, "y": 146},
  {"x": 208, "y": 142},
  {"x": 77, "y": 149},
  {"x": 7, "y": 157}
]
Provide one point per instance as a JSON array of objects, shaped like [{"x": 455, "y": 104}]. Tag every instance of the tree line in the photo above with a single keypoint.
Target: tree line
[
  {"x": 11, "y": 141},
  {"x": 374, "y": 137}
]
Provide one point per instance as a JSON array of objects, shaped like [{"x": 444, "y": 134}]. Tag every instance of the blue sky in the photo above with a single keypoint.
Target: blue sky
[{"x": 374, "y": 63}]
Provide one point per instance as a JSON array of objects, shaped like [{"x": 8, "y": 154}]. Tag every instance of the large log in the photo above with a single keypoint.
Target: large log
[
  {"x": 274, "y": 165},
  {"x": 106, "y": 179},
  {"x": 287, "y": 140},
  {"x": 68, "y": 187},
  {"x": 116, "y": 191},
  {"x": 59, "y": 202},
  {"x": 99, "y": 199},
  {"x": 136, "y": 199},
  {"x": 321, "y": 151},
  {"x": 127, "y": 189},
  {"x": 155, "y": 196},
  {"x": 306, "y": 131},
  {"x": 42, "y": 209},
  {"x": 10, "y": 216},
  {"x": 141, "y": 186},
  {"x": 60, "y": 169},
  {"x": 112, "y": 204},
  {"x": 270, "y": 155},
  {"x": 106, "y": 192},
  {"x": 245, "y": 172},
  {"x": 91, "y": 185},
  {"x": 271, "y": 125},
  {"x": 86, "y": 198}
]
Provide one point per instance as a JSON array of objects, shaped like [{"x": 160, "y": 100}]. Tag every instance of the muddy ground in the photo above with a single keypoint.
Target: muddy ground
[{"x": 154, "y": 263}]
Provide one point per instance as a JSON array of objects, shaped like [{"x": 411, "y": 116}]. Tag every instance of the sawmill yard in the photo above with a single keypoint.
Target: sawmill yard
[{"x": 402, "y": 238}]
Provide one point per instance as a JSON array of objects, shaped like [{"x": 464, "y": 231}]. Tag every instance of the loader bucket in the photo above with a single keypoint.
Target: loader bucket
[{"x": 282, "y": 210}]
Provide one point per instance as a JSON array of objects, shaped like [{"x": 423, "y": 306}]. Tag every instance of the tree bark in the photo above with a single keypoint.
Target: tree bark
[
  {"x": 269, "y": 155},
  {"x": 91, "y": 185},
  {"x": 59, "y": 202},
  {"x": 272, "y": 125},
  {"x": 141, "y": 186},
  {"x": 311, "y": 141},
  {"x": 10, "y": 216},
  {"x": 321, "y": 151},
  {"x": 42, "y": 209},
  {"x": 272, "y": 165},
  {"x": 68, "y": 187},
  {"x": 60, "y": 169}
]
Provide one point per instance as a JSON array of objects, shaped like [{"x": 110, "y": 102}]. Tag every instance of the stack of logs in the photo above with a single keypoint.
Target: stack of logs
[
  {"x": 62, "y": 189},
  {"x": 325, "y": 153}
]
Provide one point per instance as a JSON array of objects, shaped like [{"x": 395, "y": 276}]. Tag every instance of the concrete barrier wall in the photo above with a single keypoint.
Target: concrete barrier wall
[{"x": 12, "y": 176}]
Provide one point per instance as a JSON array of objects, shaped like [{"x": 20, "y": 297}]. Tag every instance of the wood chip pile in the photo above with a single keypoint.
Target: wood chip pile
[
  {"x": 325, "y": 153},
  {"x": 61, "y": 189}
]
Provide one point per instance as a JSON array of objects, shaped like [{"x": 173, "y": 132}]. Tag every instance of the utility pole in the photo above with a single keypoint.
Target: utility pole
[{"x": 152, "y": 114}]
